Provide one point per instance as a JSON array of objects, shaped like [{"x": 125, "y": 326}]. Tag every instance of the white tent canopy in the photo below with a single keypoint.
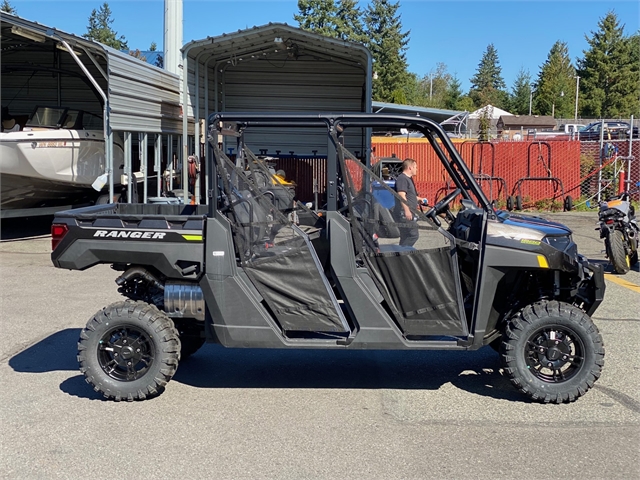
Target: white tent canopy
[{"x": 494, "y": 112}]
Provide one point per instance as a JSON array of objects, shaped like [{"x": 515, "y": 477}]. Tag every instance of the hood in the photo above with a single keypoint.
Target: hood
[{"x": 526, "y": 226}]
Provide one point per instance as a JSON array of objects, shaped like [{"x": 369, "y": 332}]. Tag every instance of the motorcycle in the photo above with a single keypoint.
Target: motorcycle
[{"x": 619, "y": 228}]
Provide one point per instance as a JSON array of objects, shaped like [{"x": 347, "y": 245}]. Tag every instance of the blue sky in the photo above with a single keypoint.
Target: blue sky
[{"x": 452, "y": 32}]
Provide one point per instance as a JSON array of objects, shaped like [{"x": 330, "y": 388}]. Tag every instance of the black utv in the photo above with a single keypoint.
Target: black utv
[{"x": 255, "y": 269}]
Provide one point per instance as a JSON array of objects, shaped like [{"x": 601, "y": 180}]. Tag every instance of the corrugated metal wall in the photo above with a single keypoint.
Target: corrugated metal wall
[
  {"x": 143, "y": 98},
  {"x": 284, "y": 85}
]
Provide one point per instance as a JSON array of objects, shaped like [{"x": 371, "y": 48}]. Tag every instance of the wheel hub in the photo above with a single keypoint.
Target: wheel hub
[
  {"x": 125, "y": 353},
  {"x": 553, "y": 355}
]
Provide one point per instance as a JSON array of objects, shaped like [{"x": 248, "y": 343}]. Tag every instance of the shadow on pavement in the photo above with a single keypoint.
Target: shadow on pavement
[
  {"x": 19, "y": 228},
  {"x": 214, "y": 366}
]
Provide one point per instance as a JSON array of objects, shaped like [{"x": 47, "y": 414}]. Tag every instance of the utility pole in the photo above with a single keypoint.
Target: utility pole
[
  {"x": 530, "y": 98},
  {"x": 575, "y": 115},
  {"x": 430, "y": 86}
]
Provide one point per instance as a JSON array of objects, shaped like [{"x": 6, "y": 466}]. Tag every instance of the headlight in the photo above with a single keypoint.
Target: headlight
[{"x": 563, "y": 243}]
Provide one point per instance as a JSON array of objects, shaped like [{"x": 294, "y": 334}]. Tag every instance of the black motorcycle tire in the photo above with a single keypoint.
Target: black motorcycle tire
[{"x": 614, "y": 244}]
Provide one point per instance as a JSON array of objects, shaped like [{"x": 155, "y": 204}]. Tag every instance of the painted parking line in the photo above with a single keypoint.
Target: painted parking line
[{"x": 621, "y": 281}]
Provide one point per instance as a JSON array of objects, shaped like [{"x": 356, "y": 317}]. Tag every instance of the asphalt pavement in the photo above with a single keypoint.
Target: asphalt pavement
[{"x": 292, "y": 414}]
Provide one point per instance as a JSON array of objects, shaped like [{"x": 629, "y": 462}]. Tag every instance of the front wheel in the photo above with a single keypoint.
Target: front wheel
[
  {"x": 129, "y": 351},
  {"x": 552, "y": 352},
  {"x": 614, "y": 245}
]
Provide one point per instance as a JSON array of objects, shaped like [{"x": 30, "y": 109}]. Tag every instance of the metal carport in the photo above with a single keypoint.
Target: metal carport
[
  {"x": 130, "y": 95},
  {"x": 275, "y": 67}
]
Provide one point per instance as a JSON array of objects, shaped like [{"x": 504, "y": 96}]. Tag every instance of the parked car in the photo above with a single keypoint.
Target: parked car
[{"x": 612, "y": 131}]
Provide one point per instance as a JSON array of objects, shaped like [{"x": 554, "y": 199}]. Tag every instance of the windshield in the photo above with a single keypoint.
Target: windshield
[{"x": 62, "y": 117}]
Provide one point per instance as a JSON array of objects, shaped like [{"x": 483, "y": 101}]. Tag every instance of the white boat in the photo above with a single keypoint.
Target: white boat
[{"x": 53, "y": 159}]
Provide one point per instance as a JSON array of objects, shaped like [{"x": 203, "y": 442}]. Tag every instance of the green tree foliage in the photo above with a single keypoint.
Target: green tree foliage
[
  {"x": 487, "y": 85},
  {"x": 465, "y": 104},
  {"x": 555, "y": 89},
  {"x": 388, "y": 44},
  {"x": 349, "y": 21},
  {"x": 634, "y": 99},
  {"x": 317, "y": 16},
  {"x": 153, "y": 47},
  {"x": 520, "y": 93},
  {"x": 609, "y": 81},
  {"x": 453, "y": 94},
  {"x": 99, "y": 29},
  {"x": 8, "y": 8}
]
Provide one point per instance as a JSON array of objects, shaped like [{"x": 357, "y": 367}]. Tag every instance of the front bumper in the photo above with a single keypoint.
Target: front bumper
[{"x": 591, "y": 288}]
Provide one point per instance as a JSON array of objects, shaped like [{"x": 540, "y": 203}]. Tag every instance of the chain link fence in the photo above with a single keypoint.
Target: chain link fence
[{"x": 542, "y": 175}]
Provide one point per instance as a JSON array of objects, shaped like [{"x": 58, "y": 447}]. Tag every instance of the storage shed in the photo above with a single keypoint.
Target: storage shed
[{"x": 277, "y": 67}]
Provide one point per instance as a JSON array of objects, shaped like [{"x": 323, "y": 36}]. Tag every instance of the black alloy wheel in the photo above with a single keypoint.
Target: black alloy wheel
[
  {"x": 126, "y": 353},
  {"x": 554, "y": 354}
]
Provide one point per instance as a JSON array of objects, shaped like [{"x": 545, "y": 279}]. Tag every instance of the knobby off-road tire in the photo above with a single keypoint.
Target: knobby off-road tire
[
  {"x": 552, "y": 352},
  {"x": 129, "y": 351},
  {"x": 614, "y": 245}
]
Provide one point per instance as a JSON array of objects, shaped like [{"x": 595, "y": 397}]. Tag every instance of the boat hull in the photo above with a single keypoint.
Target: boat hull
[{"x": 52, "y": 167}]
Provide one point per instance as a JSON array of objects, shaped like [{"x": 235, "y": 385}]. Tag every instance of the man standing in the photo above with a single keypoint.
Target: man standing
[{"x": 407, "y": 191}]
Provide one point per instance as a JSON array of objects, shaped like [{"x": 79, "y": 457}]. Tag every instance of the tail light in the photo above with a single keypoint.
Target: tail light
[
  {"x": 58, "y": 231},
  {"x": 609, "y": 221}
]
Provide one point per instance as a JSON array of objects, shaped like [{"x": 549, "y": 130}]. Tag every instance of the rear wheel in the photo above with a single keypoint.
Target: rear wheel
[
  {"x": 129, "y": 351},
  {"x": 618, "y": 257},
  {"x": 568, "y": 203},
  {"x": 518, "y": 202},
  {"x": 510, "y": 203},
  {"x": 552, "y": 352}
]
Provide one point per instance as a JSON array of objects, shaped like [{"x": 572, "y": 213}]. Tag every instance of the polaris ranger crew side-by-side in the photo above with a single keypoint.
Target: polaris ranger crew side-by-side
[{"x": 256, "y": 268}]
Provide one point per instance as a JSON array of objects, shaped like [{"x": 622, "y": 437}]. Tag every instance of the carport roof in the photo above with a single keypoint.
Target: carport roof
[
  {"x": 142, "y": 97},
  {"x": 436, "y": 114},
  {"x": 264, "y": 39}
]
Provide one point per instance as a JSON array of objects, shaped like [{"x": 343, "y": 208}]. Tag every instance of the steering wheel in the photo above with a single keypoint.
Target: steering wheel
[{"x": 442, "y": 206}]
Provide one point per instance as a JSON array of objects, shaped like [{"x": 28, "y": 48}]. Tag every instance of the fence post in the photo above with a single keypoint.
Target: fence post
[{"x": 601, "y": 155}]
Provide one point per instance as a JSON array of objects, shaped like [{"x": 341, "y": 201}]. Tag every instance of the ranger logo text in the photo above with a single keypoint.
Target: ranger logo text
[{"x": 129, "y": 234}]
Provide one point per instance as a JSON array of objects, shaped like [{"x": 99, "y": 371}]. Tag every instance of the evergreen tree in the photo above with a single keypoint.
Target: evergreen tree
[
  {"x": 465, "y": 104},
  {"x": 8, "y": 8},
  {"x": 99, "y": 29},
  {"x": 634, "y": 49},
  {"x": 487, "y": 85},
  {"x": 388, "y": 44},
  {"x": 318, "y": 16},
  {"x": 159, "y": 61},
  {"x": 414, "y": 91},
  {"x": 521, "y": 93},
  {"x": 609, "y": 81},
  {"x": 453, "y": 94},
  {"x": 349, "y": 21},
  {"x": 555, "y": 89}
]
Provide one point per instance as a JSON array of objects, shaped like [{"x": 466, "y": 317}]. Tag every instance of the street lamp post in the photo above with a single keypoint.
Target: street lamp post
[
  {"x": 575, "y": 115},
  {"x": 553, "y": 105}
]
